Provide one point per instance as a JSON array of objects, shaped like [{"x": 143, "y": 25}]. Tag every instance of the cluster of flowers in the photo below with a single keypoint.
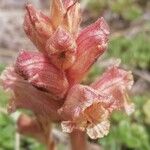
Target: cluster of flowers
[{"x": 48, "y": 82}]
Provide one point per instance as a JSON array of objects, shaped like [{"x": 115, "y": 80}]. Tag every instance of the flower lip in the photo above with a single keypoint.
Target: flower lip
[{"x": 84, "y": 109}]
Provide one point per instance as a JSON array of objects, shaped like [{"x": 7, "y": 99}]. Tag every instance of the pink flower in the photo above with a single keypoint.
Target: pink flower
[
  {"x": 116, "y": 82},
  {"x": 48, "y": 82},
  {"x": 26, "y": 96},
  {"x": 91, "y": 43},
  {"x": 38, "y": 70},
  {"x": 86, "y": 109},
  {"x": 89, "y": 109}
]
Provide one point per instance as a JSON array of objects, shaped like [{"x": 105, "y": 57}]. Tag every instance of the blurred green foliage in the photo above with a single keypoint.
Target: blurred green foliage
[
  {"x": 7, "y": 132},
  {"x": 126, "y": 9},
  {"x": 133, "y": 51}
]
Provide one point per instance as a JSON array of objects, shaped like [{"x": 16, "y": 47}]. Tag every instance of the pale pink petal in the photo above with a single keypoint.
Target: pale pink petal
[
  {"x": 61, "y": 48},
  {"x": 81, "y": 97},
  {"x": 38, "y": 27},
  {"x": 84, "y": 108},
  {"x": 116, "y": 83},
  {"x": 92, "y": 42},
  {"x": 67, "y": 126},
  {"x": 98, "y": 131},
  {"x": 39, "y": 71},
  {"x": 24, "y": 95}
]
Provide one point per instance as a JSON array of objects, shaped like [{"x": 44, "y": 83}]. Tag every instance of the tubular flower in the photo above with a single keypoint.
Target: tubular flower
[
  {"x": 48, "y": 82},
  {"x": 91, "y": 43},
  {"x": 37, "y": 69},
  {"x": 116, "y": 82},
  {"x": 24, "y": 95},
  {"x": 87, "y": 110}
]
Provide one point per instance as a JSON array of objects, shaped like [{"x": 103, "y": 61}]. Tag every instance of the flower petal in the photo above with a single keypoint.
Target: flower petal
[
  {"x": 38, "y": 27},
  {"x": 99, "y": 130},
  {"x": 24, "y": 95},
  {"x": 116, "y": 82},
  {"x": 72, "y": 19},
  {"x": 57, "y": 12},
  {"x": 38, "y": 70},
  {"x": 92, "y": 42},
  {"x": 67, "y": 126},
  {"x": 66, "y": 13},
  {"x": 61, "y": 49},
  {"x": 83, "y": 108}
]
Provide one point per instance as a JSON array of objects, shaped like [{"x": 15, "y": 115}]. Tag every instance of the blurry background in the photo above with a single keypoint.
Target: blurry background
[{"x": 129, "y": 21}]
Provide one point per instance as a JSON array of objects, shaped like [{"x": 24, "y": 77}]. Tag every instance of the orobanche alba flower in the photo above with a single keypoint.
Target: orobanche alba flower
[{"x": 47, "y": 81}]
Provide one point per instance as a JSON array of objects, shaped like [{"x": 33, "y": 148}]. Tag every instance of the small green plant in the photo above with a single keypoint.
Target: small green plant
[{"x": 132, "y": 51}]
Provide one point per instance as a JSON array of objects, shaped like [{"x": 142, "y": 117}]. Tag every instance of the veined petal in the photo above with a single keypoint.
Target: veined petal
[
  {"x": 72, "y": 19},
  {"x": 38, "y": 27},
  {"x": 98, "y": 131},
  {"x": 67, "y": 14},
  {"x": 57, "y": 12},
  {"x": 68, "y": 3},
  {"x": 84, "y": 109},
  {"x": 114, "y": 76},
  {"x": 116, "y": 83},
  {"x": 24, "y": 95},
  {"x": 61, "y": 48},
  {"x": 38, "y": 70},
  {"x": 92, "y": 42}
]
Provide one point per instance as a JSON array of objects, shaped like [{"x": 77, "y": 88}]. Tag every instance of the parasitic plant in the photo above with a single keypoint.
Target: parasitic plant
[{"x": 48, "y": 82}]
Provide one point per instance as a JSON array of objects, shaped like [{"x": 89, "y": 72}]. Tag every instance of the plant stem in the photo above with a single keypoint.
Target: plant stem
[{"x": 78, "y": 140}]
